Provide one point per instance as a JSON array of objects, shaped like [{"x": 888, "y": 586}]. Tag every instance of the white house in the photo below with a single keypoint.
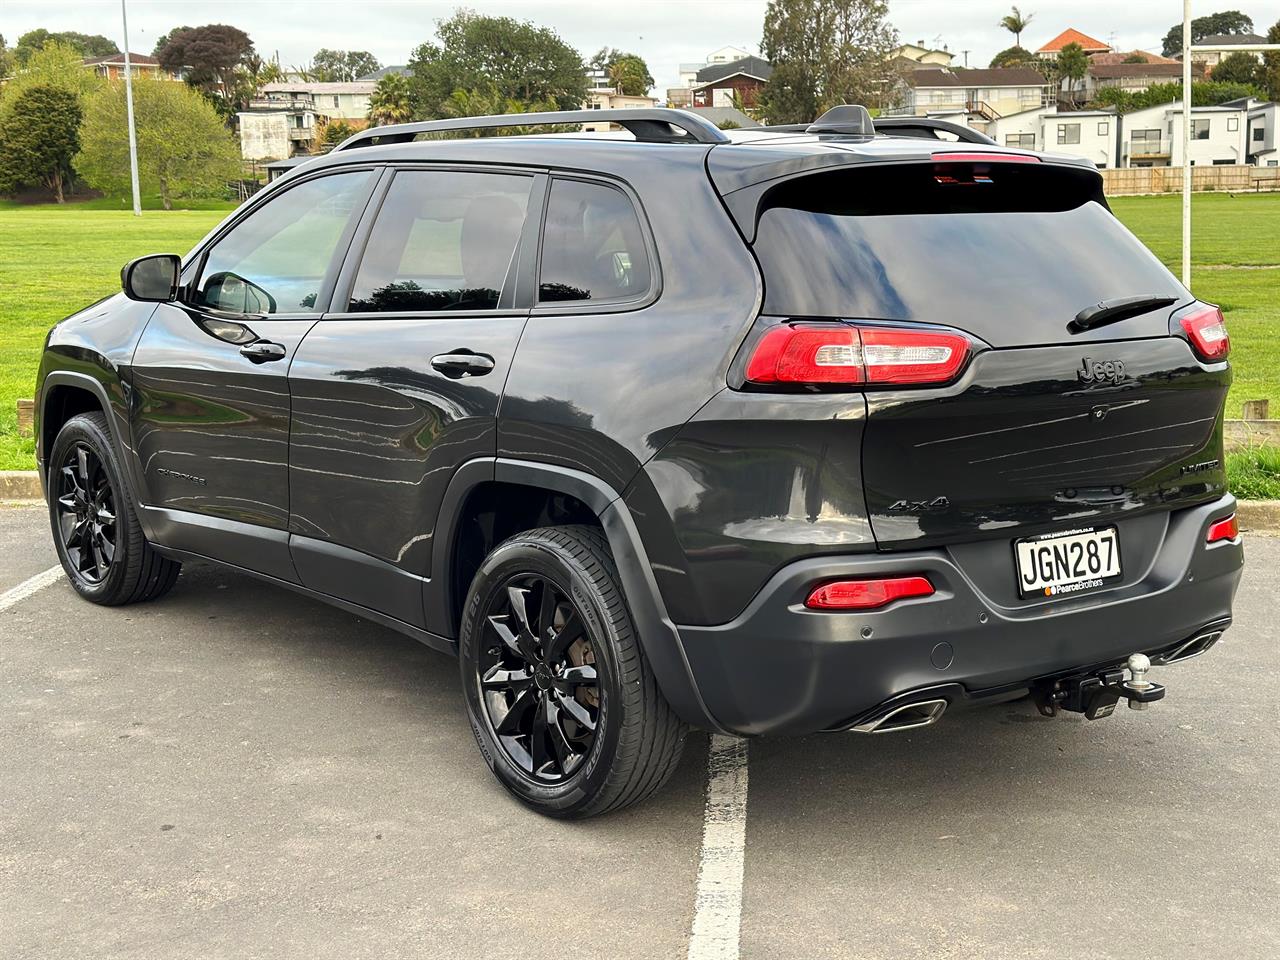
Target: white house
[
  {"x": 1211, "y": 51},
  {"x": 919, "y": 53},
  {"x": 1264, "y": 134},
  {"x": 1083, "y": 133},
  {"x": 345, "y": 101},
  {"x": 1153, "y": 137},
  {"x": 610, "y": 99},
  {"x": 988, "y": 93}
]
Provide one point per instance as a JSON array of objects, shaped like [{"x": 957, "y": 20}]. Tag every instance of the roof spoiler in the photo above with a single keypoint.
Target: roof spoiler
[{"x": 648, "y": 124}]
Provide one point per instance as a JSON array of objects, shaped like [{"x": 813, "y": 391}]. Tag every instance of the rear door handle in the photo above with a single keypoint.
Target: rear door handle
[
  {"x": 263, "y": 351},
  {"x": 461, "y": 364}
]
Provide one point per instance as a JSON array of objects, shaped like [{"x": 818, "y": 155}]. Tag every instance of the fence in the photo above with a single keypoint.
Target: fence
[{"x": 1122, "y": 181}]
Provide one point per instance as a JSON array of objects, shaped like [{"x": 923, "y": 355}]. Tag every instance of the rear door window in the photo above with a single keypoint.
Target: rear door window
[
  {"x": 593, "y": 248},
  {"x": 442, "y": 240},
  {"x": 1011, "y": 255}
]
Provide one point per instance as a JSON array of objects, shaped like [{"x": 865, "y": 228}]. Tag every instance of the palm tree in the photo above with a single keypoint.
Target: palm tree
[
  {"x": 390, "y": 101},
  {"x": 1015, "y": 23}
]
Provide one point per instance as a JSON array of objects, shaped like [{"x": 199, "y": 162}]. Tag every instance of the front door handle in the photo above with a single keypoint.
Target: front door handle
[
  {"x": 263, "y": 351},
  {"x": 461, "y": 364}
]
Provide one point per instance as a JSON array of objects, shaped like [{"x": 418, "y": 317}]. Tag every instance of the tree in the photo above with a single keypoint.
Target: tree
[
  {"x": 335, "y": 131},
  {"x": 1073, "y": 63},
  {"x": 6, "y": 59},
  {"x": 1239, "y": 67},
  {"x": 1015, "y": 57},
  {"x": 184, "y": 150},
  {"x": 1203, "y": 94},
  {"x": 216, "y": 58},
  {"x": 1226, "y": 22},
  {"x": 1269, "y": 76},
  {"x": 523, "y": 62},
  {"x": 824, "y": 53},
  {"x": 164, "y": 39},
  {"x": 1015, "y": 23},
  {"x": 1136, "y": 57},
  {"x": 87, "y": 45},
  {"x": 626, "y": 71},
  {"x": 341, "y": 66},
  {"x": 53, "y": 65},
  {"x": 487, "y": 101},
  {"x": 391, "y": 101},
  {"x": 38, "y": 138}
]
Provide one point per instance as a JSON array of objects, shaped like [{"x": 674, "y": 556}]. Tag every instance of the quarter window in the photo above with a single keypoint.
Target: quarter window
[
  {"x": 443, "y": 240},
  {"x": 592, "y": 245},
  {"x": 276, "y": 258}
]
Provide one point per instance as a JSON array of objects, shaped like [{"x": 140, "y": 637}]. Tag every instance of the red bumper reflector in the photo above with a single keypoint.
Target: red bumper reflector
[
  {"x": 867, "y": 594},
  {"x": 1227, "y": 529}
]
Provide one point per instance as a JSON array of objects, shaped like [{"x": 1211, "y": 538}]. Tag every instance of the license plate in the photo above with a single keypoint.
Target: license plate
[{"x": 1060, "y": 564}]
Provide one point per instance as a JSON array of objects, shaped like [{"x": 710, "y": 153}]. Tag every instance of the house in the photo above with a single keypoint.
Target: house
[
  {"x": 682, "y": 95},
  {"x": 717, "y": 85},
  {"x": 1213, "y": 50},
  {"x": 611, "y": 99},
  {"x": 1153, "y": 137},
  {"x": 725, "y": 115},
  {"x": 919, "y": 53},
  {"x": 987, "y": 93},
  {"x": 1054, "y": 47},
  {"x": 1264, "y": 134},
  {"x": 346, "y": 101},
  {"x": 112, "y": 67},
  {"x": 1131, "y": 77},
  {"x": 1092, "y": 134}
]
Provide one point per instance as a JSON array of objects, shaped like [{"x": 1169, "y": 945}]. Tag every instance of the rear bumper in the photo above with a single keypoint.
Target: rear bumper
[{"x": 780, "y": 668}]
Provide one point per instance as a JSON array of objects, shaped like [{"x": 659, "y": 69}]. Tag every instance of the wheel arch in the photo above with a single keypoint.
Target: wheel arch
[
  {"x": 63, "y": 395},
  {"x": 593, "y": 501}
]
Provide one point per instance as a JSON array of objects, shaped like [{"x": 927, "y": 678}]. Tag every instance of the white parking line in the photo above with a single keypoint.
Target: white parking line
[
  {"x": 27, "y": 587},
  {"x": 717, "y": 911}
]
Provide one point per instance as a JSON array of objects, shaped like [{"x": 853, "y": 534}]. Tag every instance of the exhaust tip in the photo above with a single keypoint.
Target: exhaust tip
[
  {"x": 907, "y": 716},
  {"x": 1192, "y": 648}
]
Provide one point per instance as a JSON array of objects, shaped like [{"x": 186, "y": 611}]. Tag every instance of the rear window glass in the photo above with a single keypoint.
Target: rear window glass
[{"x": 943, "y": 246}]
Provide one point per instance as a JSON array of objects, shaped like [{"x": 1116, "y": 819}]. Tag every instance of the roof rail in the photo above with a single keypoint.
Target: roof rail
[{"x": 649, "y": 124}]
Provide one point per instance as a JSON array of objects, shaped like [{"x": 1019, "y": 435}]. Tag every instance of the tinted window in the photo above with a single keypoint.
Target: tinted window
[
  {"x": 592, "y": 246},
  {"x": 275, "y": 259},
  {"x": 443, "y": 240},
  {"x": 1024, "y": 247}
]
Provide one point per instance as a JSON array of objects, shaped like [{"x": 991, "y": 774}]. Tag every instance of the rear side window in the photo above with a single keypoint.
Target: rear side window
[
  {"x": 276, "y": 258},
  {"x": 1017, "y": 245},
  {"x": 443, "y": 240},
  {"x": 592, "y": 245}
]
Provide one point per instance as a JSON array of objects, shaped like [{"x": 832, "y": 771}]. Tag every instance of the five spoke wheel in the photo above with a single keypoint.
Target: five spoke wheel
[
  {"x": 538, "y": 678},
  {"x": 87, "y": 513}
]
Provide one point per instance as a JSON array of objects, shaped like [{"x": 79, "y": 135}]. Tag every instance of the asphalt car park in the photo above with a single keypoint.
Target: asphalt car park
[{"x": 236, "y": 771}]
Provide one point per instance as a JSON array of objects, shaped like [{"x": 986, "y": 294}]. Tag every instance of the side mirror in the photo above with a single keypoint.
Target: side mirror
[{"x": 153, "y": 279}]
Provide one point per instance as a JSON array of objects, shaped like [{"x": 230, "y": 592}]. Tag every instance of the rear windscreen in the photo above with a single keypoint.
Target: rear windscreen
[{"x": 993, "y": 249}]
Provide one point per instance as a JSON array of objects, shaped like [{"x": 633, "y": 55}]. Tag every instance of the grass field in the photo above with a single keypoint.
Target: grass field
[{"x": 53, "y": 261}]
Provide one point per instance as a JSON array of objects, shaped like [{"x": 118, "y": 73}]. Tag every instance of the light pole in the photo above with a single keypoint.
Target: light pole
[{"x": 128, "y": 101}]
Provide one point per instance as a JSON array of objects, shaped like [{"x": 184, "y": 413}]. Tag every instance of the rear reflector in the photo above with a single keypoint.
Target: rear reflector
[
  {"x": 1220, "y": 530},
  {"x": 842, "y": 353},
  {"x": 866, "y": 594},
  {"x": 1208, "y": 333}
]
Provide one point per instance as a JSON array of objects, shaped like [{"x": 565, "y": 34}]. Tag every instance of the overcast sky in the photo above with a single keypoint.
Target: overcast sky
[{"x": 664, "y": 32}]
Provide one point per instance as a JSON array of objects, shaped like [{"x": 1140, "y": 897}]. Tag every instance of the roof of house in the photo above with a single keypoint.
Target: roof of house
[
  {"x": 1071, "y": 35},
  {"x": 1119, "y": 56},
  {"x": 286, "y": 86},
  {"x": 399, "y": 70},
  {"x": 719, "y": 115},
  {"x": 1116, "y": 71},
  {"x": 1230, "y": 40},
  {"x": 756, "y": 67},
  {"x": 990, "y": 77},
  {"x": 135, "y": 59}
]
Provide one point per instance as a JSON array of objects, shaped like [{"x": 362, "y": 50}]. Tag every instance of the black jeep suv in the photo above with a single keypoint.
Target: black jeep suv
[{"x": 769, "y": 432}]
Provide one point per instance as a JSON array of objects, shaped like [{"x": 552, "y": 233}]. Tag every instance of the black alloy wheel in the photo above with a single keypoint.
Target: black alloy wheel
[
  {"x": 538, "y": 678},
  {"x": 86, "y": 513}
]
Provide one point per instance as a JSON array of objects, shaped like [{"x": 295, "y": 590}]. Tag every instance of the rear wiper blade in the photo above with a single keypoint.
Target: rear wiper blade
[{"x": 1118, "y": 308}]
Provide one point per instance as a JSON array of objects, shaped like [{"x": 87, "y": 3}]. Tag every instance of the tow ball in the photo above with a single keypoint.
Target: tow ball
[{"x": 1096, "y": 695}]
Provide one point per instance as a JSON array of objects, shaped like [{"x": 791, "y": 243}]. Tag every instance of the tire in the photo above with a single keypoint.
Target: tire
[
  {"x": 576, "y": 656},
  {"x": 108, "y": 561}
]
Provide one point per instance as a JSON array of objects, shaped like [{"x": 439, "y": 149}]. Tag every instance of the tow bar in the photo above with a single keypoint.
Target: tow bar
[{"x": 1096, "y": 695}]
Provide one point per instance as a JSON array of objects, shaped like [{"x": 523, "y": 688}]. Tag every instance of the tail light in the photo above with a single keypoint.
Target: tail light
[
  {"x": 843, "y": 353},
  {"x": 867, "y": 594},
  {"x": 1208, "y": 333},
  {"x": 1226, "y": 529}
]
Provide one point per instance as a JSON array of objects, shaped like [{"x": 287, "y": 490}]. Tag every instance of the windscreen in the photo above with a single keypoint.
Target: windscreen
[{"x": 1009, "y": 252}]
